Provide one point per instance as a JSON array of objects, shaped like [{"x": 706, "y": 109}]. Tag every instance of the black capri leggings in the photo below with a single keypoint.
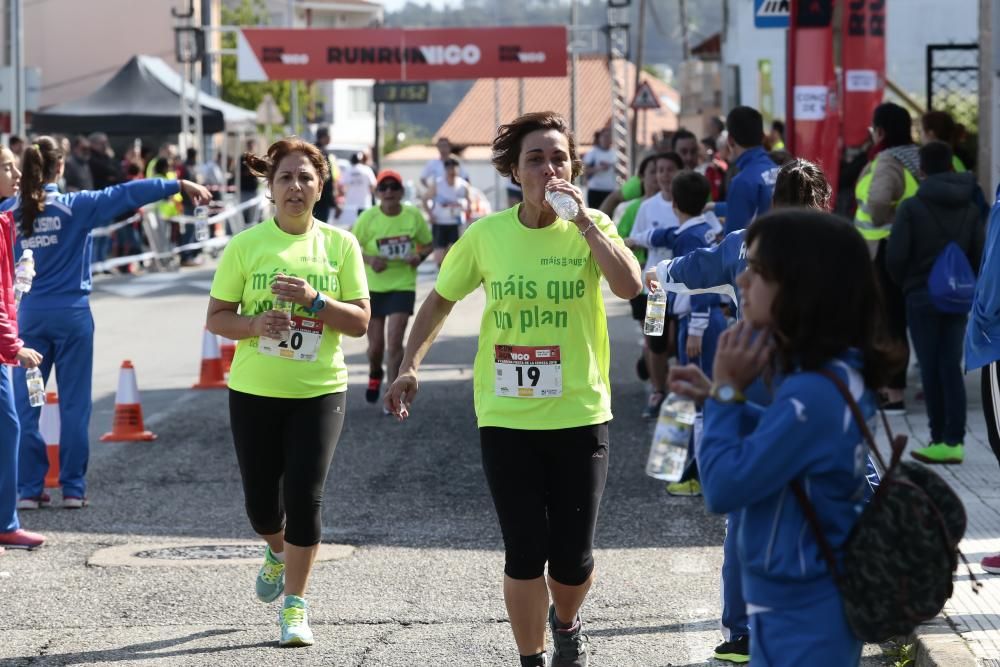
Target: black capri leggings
[
  {"x": 547, "y": 488},
  {"x": 284, "y": 447}
]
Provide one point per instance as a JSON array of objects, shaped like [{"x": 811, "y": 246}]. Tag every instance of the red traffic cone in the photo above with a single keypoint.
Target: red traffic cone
[
  {"x": 227, "y": 350},
  {"x": 212, "y": 376},
  {"x": 48, "y": 425},
  {"x": 127, "y": 425}
]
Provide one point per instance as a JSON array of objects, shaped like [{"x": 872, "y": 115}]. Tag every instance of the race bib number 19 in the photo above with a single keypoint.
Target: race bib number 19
[
  {"x": 528, "y": 372},
  {"x": 302, "y": 344}
]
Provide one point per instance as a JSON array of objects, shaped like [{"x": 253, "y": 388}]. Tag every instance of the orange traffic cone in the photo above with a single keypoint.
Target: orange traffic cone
[
  {"x": 127, "y": 425},
  {"x": 227, "y": 350},
  {"x": 211, "y": 364},
  {"x": 48, "y": 424}
]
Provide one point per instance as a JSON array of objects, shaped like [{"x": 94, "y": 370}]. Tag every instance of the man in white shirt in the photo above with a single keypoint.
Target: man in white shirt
[
  {"x": 599, "y": 169},
  {"x": 434, "y": 169},
  {"x": 359, "y": 186}
]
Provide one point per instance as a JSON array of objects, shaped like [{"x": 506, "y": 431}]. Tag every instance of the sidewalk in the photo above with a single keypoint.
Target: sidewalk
[{"x": 967, "y": 633}]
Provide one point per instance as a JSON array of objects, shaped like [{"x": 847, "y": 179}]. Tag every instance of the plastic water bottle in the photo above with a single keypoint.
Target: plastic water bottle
[
  {"x": 656, "y": 312},
  {"x": 24, "y": 273},
  {"x": 668, "y": 453},
  {"x": 201, "y": 223},
  {"x": 564, "y": 205},
  {"x": 36, "y": 387},
  {"x": 283, "y": 306}
]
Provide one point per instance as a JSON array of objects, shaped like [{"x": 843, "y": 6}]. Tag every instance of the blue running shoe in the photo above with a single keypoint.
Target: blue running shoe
[
  {"x": 270, "y": 578},
  {"x": 295, "y": 623}
]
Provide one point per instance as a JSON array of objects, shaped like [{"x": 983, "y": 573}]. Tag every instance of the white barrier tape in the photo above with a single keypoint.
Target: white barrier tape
[
  {"x": 219, "y": 217},
  {"x": 111, "y": 229}
]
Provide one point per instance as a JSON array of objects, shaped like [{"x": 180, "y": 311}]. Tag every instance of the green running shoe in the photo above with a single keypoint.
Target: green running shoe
[
  {"x": 270, "y": 578},
  {"x": 938, "y": 452},
  {"x": 691, "y": 487},
  {"x": 295, "y": 623}
]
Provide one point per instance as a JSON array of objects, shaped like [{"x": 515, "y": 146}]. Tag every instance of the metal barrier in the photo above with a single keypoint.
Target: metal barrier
[
  {"x": 953, "y": 82},
  {"x": 157, "y": 231}
]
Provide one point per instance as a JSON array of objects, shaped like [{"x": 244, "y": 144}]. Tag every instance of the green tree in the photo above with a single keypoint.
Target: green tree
[{"x": 248, "y": 94}]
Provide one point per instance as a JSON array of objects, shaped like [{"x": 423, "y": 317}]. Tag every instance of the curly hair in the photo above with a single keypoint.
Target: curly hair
[
  {"x": 802, "y": 183},
  {"x": 828, "y": 299},
  {"x": 39, "y": 165},
  {"x": 266, "y": 165},
  {"x": 507, "y": 144}
]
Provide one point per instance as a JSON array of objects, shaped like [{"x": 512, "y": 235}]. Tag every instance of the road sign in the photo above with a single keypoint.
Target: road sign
[
  {"x": 645, "y": 98},
  {"x": 771, "y": 13},
  {"x": 268, "y": 112}
]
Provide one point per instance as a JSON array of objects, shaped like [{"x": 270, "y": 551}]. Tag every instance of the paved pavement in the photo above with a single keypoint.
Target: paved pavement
[{"x": 420, "y": 581}]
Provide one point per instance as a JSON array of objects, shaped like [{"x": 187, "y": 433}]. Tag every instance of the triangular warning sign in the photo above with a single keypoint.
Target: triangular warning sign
[{"x": 645, "y": 98}]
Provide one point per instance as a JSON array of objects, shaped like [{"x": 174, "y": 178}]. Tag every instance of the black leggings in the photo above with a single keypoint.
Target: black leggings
[
  {"x": 547, "y": 488},
  {"x": 895, "y": 313},
  {"x": 284, "y": 447},
  {"x": 990, "y": 387}
]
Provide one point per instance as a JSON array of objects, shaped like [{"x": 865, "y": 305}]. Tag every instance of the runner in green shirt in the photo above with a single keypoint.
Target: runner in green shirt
[
  {"x": 287, "y": 387},
  {"x": 541, "y": 384},
  {"x": 395, "y": 238}
]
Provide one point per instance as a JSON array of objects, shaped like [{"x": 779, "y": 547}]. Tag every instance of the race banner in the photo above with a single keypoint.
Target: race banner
[
  {"x": 813, "y": 113},
  {"x": 863, "y": 30},
  {"x": 400, "y": 54}
]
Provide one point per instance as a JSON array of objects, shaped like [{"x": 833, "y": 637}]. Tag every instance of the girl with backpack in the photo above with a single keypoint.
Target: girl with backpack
[
  {"x": 936, "y": 239},
  {"x": 799, "y": 324}
]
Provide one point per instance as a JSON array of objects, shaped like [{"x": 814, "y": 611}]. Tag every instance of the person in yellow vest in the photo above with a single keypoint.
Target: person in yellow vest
[
  {"x": 940, "y": 126},
  {"x": 889, "y": 178},
  {"x": 777, "y": 135}
]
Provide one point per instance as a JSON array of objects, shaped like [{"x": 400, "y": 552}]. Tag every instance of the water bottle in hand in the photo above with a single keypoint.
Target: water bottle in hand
[
  {"x": 36, "y": 387},
  {"x": 563, "y": 204},
  {"x": 668, "y": 453},
  {"x": 24, "y": 273},
  {"x": 201, "y": 223},
  {"x": 283, "y": 306},
  {"x": 656, "y": 312}
]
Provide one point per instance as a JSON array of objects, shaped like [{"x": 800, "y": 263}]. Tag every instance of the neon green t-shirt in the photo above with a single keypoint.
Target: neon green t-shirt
[
  {"x": 330, "y": 260},
  {"x": 632, "y": 188},
  {"x": 625, "y": 228},
  {"x": 394, "y": 238},
  {"x": 544, "y": 332}
]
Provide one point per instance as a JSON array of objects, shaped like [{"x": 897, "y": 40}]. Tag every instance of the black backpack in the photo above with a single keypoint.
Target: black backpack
[{"x": 899, "y": 558}]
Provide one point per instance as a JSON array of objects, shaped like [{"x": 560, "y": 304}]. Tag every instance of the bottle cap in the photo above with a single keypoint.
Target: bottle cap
[{"x": 28, "y": 253}]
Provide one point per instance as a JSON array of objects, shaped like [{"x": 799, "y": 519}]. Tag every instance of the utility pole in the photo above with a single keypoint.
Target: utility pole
[
  {"x": 573, "y": 19},
  {"x": 638, "y": 78},
  {"x": 618, "y": 32},
  {"x": 19, "y": 97},
  {"x": 294, "y": 120},
  {"x": 685, "y": 47}
]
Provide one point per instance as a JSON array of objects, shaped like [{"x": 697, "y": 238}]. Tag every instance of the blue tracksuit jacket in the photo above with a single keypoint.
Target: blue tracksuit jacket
[
  {"x": 982, "y": 337},
  {"x": 750, "y": 191}
]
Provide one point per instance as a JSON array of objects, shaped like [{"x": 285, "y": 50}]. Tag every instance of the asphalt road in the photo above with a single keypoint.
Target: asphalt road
[{"x": 422, "y": 583}]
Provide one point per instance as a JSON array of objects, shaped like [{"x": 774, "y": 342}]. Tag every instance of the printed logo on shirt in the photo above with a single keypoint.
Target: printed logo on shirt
[
  {"x": 770, "y": 177},
  {"x": 47, "y": 223},
  {"x": 563, "y": 261}
]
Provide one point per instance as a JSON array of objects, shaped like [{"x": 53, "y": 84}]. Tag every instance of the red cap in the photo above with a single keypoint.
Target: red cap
[{"x": 388, "y": 173}]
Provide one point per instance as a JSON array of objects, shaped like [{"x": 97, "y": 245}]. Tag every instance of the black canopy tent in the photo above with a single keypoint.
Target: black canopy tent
[{"x": 142, "y": 98}]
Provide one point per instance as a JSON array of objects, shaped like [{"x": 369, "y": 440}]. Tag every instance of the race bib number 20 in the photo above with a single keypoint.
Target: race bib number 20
[
  {"x": 302, "y": 343},
  {"x": 528, "y": 372}
]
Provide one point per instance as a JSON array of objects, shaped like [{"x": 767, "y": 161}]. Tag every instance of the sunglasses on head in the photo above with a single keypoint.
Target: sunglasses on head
[{"x": 390, "y": 186}]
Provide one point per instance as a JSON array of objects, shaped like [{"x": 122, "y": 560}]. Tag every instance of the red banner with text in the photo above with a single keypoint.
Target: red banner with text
[
  {"x": 863, "y": 31},
  {"x": 812, "y": 102},
  {"x": 397, "y": 54}
]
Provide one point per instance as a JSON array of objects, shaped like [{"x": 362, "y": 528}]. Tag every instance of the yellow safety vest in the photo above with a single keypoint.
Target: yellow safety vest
[
  {"x": 863, "y": 217},
  {"x": 958, "y": 165}
]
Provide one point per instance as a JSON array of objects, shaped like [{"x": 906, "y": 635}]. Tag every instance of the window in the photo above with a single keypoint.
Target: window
[{"x": 360, "y": 99}]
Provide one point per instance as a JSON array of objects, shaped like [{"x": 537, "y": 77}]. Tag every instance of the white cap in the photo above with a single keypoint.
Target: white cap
[{"x": 29, "y": 253}]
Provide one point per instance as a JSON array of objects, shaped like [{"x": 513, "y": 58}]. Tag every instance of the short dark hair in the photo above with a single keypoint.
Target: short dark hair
[
  {"x": 507, "y": 143},
  {"x": 935, "y": 158},
  {"x": 673, "y": 157},
  {"x": 265, "y": 166},
  {"x": 895, "y": 121},
  {"x": 779, "y": 127},
  {"x": 681, "y": 135},
  {"x": 815, "y": 318},
  {"x": 746, "y": 126},
  {"x": 689, "y": 192},
  {"x": 941, "y": 124}
]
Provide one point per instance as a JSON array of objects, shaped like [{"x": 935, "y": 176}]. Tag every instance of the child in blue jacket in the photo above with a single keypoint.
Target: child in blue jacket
[{"x": 796, "y": 323}]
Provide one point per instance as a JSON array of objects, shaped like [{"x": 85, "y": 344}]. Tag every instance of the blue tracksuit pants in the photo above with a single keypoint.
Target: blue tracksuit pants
[
  {"x": 10, "y": 432},
  {"x": 734, "y": 619},
  {"x": 816, "y": 635},
  {"x": 65, "y": 338}
]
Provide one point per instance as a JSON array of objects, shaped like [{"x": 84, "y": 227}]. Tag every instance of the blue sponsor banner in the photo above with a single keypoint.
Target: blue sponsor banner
[{"x": 771, "y": 13}]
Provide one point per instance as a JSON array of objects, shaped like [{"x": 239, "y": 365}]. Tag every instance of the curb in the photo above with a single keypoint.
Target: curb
[{"x": 937, "y": 644}]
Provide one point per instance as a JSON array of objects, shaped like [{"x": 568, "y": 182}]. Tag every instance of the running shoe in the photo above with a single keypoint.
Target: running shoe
[
  {"x": 991, "y": 564},
  {"x": 569, "y": 645},
  {"x": 892, "y": 408},
  {"x": 33, "y": 503},
  {"x": 940, "y": 453},
  {"x": 735, "y": 650},
  {"x": 21, "y": 539},
  {"x": 374, "y": 385},
  {"x": 74, "y": 502},
  {"x": 652, "y": 409},
  {"x": 294, "y": 619},
  {"x": 691, "y": 487},
  {"x": 270, "y": 577}
]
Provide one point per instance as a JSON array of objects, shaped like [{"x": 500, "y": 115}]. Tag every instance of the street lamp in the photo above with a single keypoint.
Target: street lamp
[{"x": 189, "y": 43}]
